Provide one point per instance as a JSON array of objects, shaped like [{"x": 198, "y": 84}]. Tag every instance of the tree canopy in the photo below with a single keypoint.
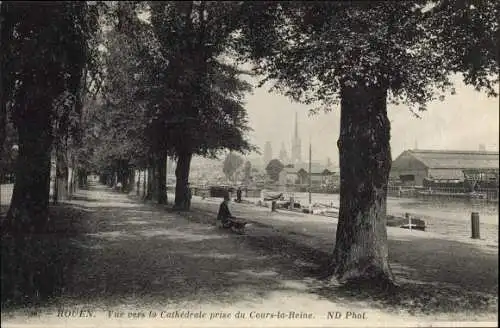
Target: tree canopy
[
  {"x": 273, "y": 169},
  {"x": 308, "y": 50},
  {"x": 231, "y": 164},
  {"x": 167, "y": 88},
  {"x": 200, "y": 100},
  {"x": 247, "y": 171}
]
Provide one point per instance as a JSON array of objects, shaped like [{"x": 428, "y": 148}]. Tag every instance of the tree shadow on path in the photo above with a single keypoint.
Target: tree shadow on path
[
  {"x": 137, "y": 255},
  {"x": 105, "y": 254},
  {"x": 434, "y": 276}
]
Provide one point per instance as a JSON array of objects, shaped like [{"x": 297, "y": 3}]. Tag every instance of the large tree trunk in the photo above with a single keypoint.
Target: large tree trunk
[
  {"x": 28, "y": 210},
  {"x": 361, "y": 252},
  {"x": 53, "y": 177},
  {"x": 138, "y": 183},
  {"x": 131, "y": 180},
  {"x": 149, "y": 186},
  {"x": 162, "y": 179},
  {"x": 70, "y": 182},
  {"x": 6, "y": 28},
  {"x": 61, "y": 182},
  {"x": 123, "y": 175},
  {"x": 82, "y": 178},
  {"x": 182, "y": 178},
  {"x": 154, "y": 181},
  {"x": 144, "y": 184},
  {"x": 75, "y": 175}
]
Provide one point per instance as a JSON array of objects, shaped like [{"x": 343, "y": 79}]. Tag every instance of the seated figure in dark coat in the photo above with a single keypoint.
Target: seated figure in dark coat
[{"x": 224, "y": 214}]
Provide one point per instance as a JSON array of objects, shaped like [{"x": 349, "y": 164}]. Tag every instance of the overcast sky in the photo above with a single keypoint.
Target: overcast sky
[{"x": 460, "y": 122}]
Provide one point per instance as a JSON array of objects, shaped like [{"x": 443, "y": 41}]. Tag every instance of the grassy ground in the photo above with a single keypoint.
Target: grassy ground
[
  {"x": 438, "y": 278},
  {"x": 109, "y": 253}
]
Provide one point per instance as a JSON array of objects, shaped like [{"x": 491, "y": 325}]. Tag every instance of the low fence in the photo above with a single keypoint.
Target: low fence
[
  {"x": 204, "y": 191},
  {"x": 302, "y": 188},
  {"x": 482, "y": 194}
]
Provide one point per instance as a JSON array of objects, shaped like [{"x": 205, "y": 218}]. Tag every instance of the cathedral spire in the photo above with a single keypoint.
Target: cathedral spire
[
  {"x": 296, "y": 150},
  {"x": 296, "y": 135}
]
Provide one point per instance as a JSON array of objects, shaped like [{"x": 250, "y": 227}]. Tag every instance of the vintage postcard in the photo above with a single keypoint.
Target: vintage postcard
[{"x": 249, "y": 164}]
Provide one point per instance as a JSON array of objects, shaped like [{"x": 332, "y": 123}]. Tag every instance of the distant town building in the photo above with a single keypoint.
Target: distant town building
[
  {"x": 329, "y": 163},
  {"x": 412, "y": 167},
  {"x": 296, "y": 144},
  {"x": 299, "y": 175},
  {"x": 284, "y": 155},
  {"x": 268, "y": 153}
]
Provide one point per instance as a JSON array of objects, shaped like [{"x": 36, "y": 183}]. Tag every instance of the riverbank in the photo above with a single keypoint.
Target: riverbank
[
  {"x": 434, "y": 269},
  {"x": 451, "y": 223},
  {"x": 451, "y": 219}
]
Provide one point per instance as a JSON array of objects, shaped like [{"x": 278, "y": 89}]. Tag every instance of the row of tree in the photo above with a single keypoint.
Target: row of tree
[
  {"x": 43, "y": 73},
  {"x": 168, "y": 91},
  {"x": 234, "y": 166},
  {"x": 160, "y": 85},
  {"x": 167, "y": 87}
]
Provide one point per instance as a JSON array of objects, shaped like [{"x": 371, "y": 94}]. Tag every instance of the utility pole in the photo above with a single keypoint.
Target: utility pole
[{"x": 310, "y": 176}]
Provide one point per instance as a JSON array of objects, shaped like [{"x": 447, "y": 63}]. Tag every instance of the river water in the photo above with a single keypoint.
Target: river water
[
  {"x": 439, "y": 209},
  {"x": 448, "y": 217}
]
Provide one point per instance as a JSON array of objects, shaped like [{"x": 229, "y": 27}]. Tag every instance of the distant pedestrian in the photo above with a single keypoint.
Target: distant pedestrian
[{"x": 238, "y": 195}]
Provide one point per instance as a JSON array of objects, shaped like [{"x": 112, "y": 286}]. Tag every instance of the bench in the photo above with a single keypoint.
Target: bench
[
  {"x": 404, "y": 222},
  {"x": 237, "y": 225}
]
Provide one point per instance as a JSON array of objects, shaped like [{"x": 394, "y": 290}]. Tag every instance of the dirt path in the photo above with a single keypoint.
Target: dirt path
[
  {"x": 441, "y": 276},
  {"x": 417, "y": 256},
  {"x": 130, "y": 264}
]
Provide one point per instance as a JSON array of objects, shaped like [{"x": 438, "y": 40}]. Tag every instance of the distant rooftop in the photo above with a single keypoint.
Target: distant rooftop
[
  {"x": 466, "y": 152},
  {"x": 316, "y": 168},
  {"x": 457, "y": 159}
]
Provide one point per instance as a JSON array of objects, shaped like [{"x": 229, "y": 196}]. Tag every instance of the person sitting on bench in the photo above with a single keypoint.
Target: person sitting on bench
[{"x": 224, "y": 214}]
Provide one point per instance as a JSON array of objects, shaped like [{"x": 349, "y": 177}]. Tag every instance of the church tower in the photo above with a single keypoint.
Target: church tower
[
  {"x": 296, "y": 150},
  {"x": 284, "y": 155}
]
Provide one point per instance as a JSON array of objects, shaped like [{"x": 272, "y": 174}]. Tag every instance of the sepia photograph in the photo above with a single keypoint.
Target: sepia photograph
[{"x": 249, "y": 163}]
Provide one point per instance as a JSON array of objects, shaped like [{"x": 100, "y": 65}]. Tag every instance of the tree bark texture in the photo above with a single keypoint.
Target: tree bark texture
[
  {"x": 138, "y": 183},
  {"x": 28, "y": 210},
  {"x": 53, "y": 177},
  {"x": 154, "y": 180},
  {"x": 6, "y": 28},
  {"x": 149, "y": 186},
  {"x": 144, "y": 183},
  {"x": 182, "y": 179},
  {"x": 61, "y": 175},
  {"x": 122, "y": 174},
  {"x": 162, "y": 179},
  {"x": 361, "y": 251},
  {"x": 75, "y": 174},
  {"x": 82, "y": 178},
  {"x": 70, "y": 182}
]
